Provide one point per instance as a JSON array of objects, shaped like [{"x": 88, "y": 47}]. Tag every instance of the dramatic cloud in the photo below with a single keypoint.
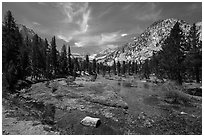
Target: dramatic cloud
[
  {"x": 96, "y": 40},
  {"x": 77, "y": 13},
  {"x": 91, "y": 27}
]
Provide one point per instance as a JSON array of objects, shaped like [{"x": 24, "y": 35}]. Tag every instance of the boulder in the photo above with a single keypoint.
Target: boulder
[
  {"x": 62, "y": 82},
  {"x": 90, "y": 121}
]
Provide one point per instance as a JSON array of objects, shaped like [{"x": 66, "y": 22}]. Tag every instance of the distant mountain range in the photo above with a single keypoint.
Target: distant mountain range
[
  {"x": 142, "y": 47},
  {"x": 139, "y": 48}
]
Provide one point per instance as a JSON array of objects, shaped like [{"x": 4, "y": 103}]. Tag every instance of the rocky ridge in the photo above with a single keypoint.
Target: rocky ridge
[{"x": 148, "y": 42}]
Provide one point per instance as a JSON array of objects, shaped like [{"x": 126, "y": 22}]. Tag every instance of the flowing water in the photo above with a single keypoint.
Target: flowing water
[{"x": 140, "y": 97}]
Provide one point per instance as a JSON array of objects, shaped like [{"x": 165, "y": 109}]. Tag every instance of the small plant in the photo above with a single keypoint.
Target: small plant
[
  {"x": 127, "y": 84},
  {"x": 54, "y": 88},
  {"x": 47, "y": 83},
  {"x": 174, "y": 95},
  {"x": 48, "y": 115},
  {"x": 146, "y": 85}
]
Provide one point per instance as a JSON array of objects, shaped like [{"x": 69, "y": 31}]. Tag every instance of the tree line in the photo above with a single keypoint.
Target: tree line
[
  {"x": 179, "y": 60},
  {"x": 39, "y": 59}
]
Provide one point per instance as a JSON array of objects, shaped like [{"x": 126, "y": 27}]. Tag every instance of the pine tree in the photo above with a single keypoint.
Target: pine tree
[
  {"x": 118, "y": 68},
  {"x": 87, "y": 63},
  {"x": 35, "y": 59},
  {"x": 154, "y": 65},
  {"x": 171, "y": 56},
  {"x": 194, "y": 56},
  {"x": 133, "y": 67},
  {"x": 109, "y": 69},
  {"x": 53, "y": 56},
  {"x": 25, "y": 62},
  {"x": 98, "y": 68},
  {"x": 136, "y": 68},
  {"x": 75, "y": 67},
  {"x": 70, "y": 65},
  {"x": 129, "y": 67},
  {"x": 63, "y": 60},
  {"x": 90, "y": 69},
  {"x": 11, "y": 43},
  {"x": 42, "y": 58},
  {"x": 103, "y": 69},
  {"x": 123, "y": 68},
  {"x": 48, "y": 59},
  {"x": 114, "y": 67},
  {"x": 146, "y": 69},
  {"x": 94, "y": 66}
]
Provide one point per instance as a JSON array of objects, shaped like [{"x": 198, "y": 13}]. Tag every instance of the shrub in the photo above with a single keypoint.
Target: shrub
[
  {"x": 126, "y": 84},
  {"x": 48, "y": 115},
  {"x": 54, "y": 88},
  {"x": 146, "y": 85},
  {"x": 173, "y": 94}
]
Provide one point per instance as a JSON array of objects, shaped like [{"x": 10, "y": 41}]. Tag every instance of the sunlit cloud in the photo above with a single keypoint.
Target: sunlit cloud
[
  {"x": 84, "y": 22},
  {"x": 96, "y": 40},
  {"x": 123, "y": 35},
  {"x": 93, "y": 26},
  {"x": 64, "y": 38},
  {"x": 78, "y": 44},
  {"x": 109, "y": 37},
  {"x": 78, "y": 13},
  {"x": 36, "y": 23}
]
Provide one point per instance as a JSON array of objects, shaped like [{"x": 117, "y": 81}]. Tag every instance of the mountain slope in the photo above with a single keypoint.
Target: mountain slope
[
  {"x": 149, "y": 41},
  {"x": 26, "y": 32}
]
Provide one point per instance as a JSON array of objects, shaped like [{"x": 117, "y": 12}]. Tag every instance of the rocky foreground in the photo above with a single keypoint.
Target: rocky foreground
[{"x": 133, "y": 107}]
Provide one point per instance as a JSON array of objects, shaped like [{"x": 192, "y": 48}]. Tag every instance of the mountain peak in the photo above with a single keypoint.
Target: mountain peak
[{"x": 142, "y": 47}]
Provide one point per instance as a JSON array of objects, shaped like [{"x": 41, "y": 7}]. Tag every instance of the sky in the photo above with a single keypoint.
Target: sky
[{"x": 93, "y": 27}]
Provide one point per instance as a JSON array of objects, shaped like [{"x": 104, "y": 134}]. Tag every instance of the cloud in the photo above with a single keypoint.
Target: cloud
[
  {"x": 111, "y": 46},
  {"x": 36, "y": 23},
  {"x": 64, "y": 38},
  {"x": 150, "y": 12},
  {"x": 97, "y": 40},
  {"x": 109, "y": 37},
  {"x": 78, "y": 44},
  {"x": 77, "y": 13},
  {"x": 84, "y": 22},
  {"x": 123, "y": 35},
  {"x": 105, "y": 12}
]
